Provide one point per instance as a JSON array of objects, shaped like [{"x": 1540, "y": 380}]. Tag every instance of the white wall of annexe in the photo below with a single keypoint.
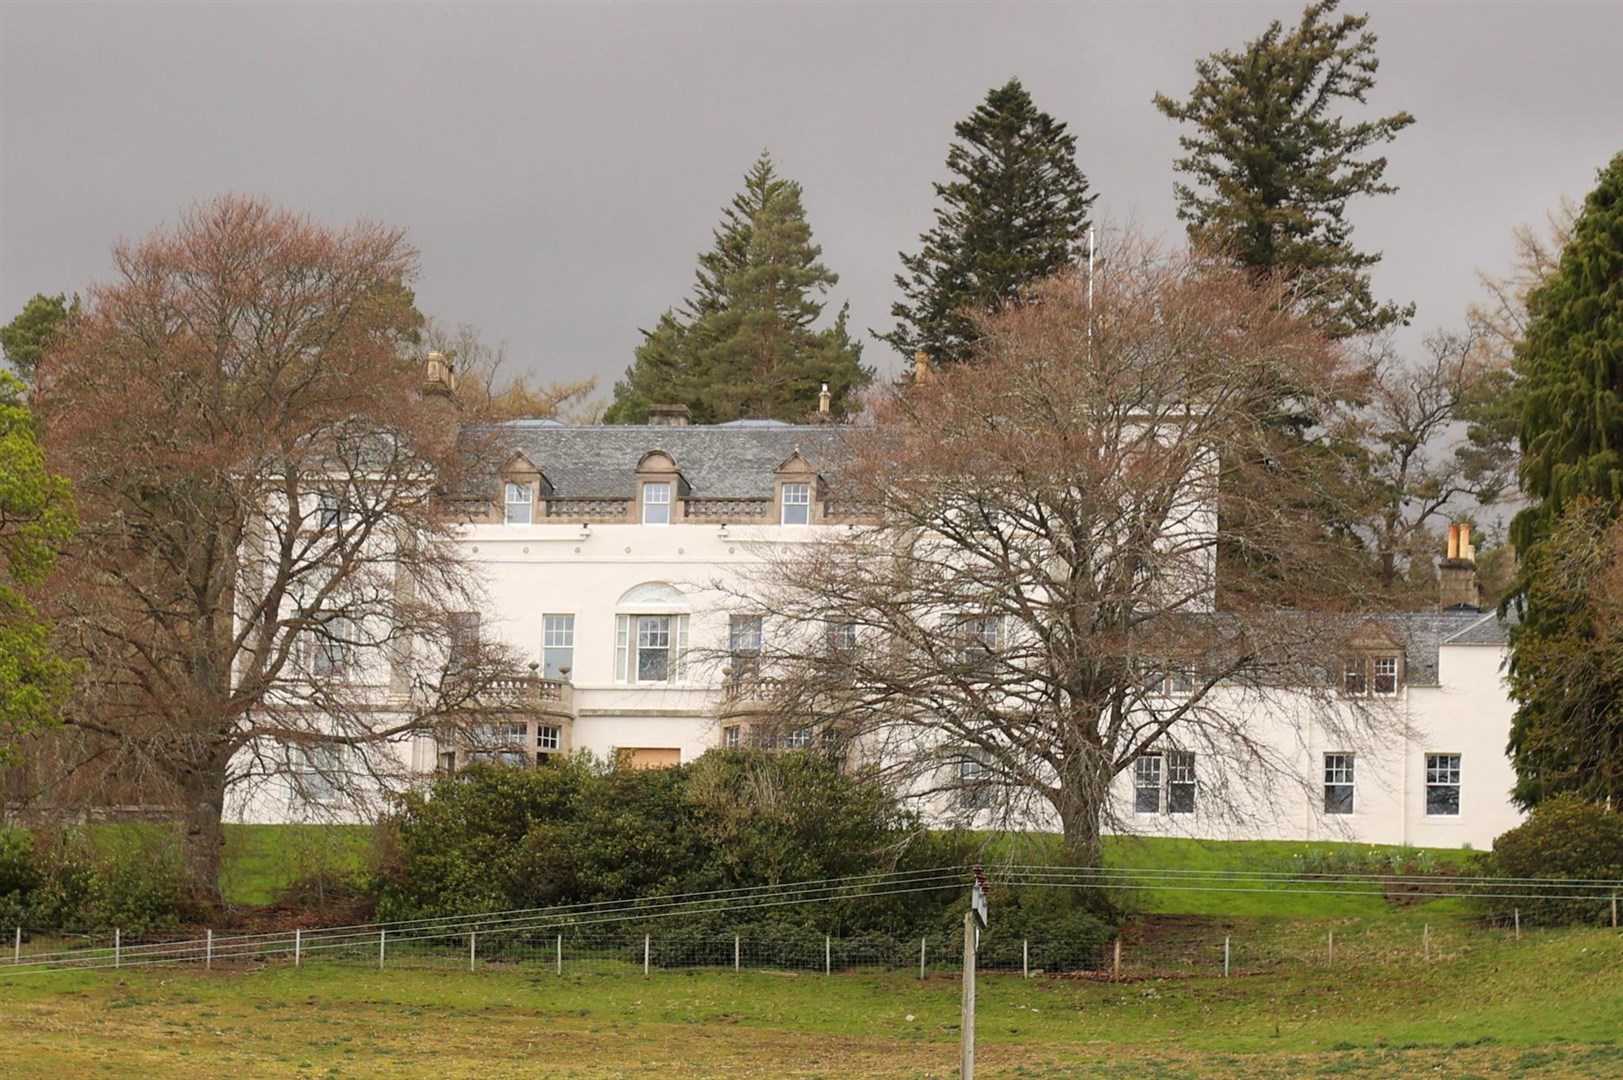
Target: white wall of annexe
[{"x": 1444, "y": 726}]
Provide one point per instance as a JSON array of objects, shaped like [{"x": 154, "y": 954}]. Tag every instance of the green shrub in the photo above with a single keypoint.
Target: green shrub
[
  {"x": 1568, "y": 838},
  {"x": 57, "y": 879},
  {"x": 494, "y": 839}
]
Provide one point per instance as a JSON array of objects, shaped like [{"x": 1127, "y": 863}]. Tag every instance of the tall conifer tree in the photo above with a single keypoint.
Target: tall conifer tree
[
  {"x": 1567, "y": 734},
  {"x": 1018, "y": 212},
  {"x": 743, "y": 345},
  {"x": 1271, "y": 164}
]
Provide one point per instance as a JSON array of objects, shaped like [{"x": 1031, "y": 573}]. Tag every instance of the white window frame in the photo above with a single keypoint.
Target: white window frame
[
  {"x": 548, "y": 738},
  {"x": 1443, "y": 773},
  {"x": 794, "y": 504},
  {"x": 315, "y": 771},
  {"x": 1383, "y": 676},
  {"x": 656, "y": 502},
  {"x": 842, "y": 635},
  {"x": 1340, "y": 771},
  {"x": 651, "y": 599},
  {"x": 557, "y": 644},
  {"x": 514, "y": 496},
  {"x": 629, "y": 632},
  {"x": 731, "y": 737},
  {"x": 974, "y": 781},
  {"x": 1181, "y": 778},
  {"x": 332, "y": 651},
  {"x": 1149, "y": 775}
]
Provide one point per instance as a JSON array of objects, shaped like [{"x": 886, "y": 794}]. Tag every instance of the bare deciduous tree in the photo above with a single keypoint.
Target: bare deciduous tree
[
  {"x": 488, "y": 393},
  {"x": 1422, "y": 464},
  {"x": 263, "y": 582},
  {"x": 1036, "y": 603}
]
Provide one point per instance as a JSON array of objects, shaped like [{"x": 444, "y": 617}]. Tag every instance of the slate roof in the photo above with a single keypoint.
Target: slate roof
[
  {"x": 1423, "y": 633},
  {"x": 726, "y": 461}
]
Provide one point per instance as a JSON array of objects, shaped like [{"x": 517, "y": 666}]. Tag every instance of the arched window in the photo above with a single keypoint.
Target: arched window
[{"x": 651, "y": 635}]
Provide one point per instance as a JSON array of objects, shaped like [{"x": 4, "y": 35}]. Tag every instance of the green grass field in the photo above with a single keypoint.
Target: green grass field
[
  {"x": 1485, "y": 1004},
  {"x": 1548, "y": 1006}
]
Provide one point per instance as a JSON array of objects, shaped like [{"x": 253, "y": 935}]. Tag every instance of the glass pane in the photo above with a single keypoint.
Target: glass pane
[
  {"x": 554, "y": 661},
  {"x": 1338, "y": 799},
  {"x": 1442, "y": 799},
  {"x": 656, "y": 504},
  {"x": 797, "y": 504}
]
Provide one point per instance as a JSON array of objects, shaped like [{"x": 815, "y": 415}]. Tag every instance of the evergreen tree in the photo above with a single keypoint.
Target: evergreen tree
[
  {"x": 1017, "y": 212},
  {"x": 1567, "y": 734},
  {"x": 743, "y": 345},
  {"x": 27, "y": 337},
  {"x": 1272, "y": 165}
]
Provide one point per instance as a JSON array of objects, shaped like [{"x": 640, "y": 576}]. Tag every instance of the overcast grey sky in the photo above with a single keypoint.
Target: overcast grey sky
[{"x": 559, "y": 166}]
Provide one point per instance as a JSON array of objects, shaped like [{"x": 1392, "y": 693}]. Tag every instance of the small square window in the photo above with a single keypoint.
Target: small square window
[
  {"x": 1354, "y": 681},
  {"x": 518, "y": 504},
  {"x": 730, "y": 739},
  {"x": 796, "y": 504},
  {"x": 656, "y": 504},
  {"x": 547, "y": 738},
  {"x": 1338, "y": 783}
]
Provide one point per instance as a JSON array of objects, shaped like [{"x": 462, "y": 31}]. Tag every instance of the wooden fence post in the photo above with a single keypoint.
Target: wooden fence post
[
  {"x": 208, "y": 950},
  {"x": 1025, "y": 958},
  {"x": 1225, "y": 957},
  {"x": 298, "y": 944},
  {"x": 383, "y": 944},
  {"x": 473, "y": 949},
  {"x": 1115, "y": 961},
  {"x": 735, "y": 954},
  {"x": 118, "y": 946},
  {"x": 1518, "y": 924},
  {"x": 922, "y": 942},
  {"x": 647, "y": 946},
  {"x": 560, "y": 954}
]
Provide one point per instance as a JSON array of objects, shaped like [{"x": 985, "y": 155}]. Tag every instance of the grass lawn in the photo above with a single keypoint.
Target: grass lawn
[{"x": 1549, "y": 1006}]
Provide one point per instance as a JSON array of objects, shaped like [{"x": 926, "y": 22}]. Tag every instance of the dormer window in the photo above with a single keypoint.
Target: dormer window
[
  {"x": 1371, "y": 676},
  {"x": 518, "y": 503},
  {"x": 656, "y": 504},
  {"x": 796, "y": 503}
]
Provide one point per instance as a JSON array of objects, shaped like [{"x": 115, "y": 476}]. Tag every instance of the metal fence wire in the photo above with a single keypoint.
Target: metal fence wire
[{"x": 681, "y": 932}]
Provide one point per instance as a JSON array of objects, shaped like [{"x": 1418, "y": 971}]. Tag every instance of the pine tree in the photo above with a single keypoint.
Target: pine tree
[
  {"x": 743, "y": 345},
  {"x": 1017, "y": 213},
  {"x": 1567, "y": 734},
  {"x": 27, "y": 338},
  {"x": 1272, "y": 164}
]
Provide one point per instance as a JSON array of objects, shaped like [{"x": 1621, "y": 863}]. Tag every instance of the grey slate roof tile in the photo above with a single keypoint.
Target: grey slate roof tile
[{"x": 733, "y": 461}]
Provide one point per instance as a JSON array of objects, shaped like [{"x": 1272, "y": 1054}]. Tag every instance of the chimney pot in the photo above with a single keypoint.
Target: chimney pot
[{"x": 824, "y": 400}]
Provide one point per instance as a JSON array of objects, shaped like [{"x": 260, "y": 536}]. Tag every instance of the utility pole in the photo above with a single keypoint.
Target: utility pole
[{"x": 974, "y": 923}]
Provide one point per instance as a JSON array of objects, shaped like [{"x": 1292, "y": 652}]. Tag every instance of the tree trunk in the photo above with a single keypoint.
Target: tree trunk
[
  {"x": 1083, "y": 788},
  {"x": 205, "y": 836}
]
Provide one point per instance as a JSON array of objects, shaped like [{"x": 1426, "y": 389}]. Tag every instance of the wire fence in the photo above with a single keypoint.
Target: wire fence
[{"x": 679, "y": 932}]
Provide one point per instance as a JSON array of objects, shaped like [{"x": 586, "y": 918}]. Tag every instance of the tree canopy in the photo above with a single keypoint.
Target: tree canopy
[
  {"x": 26, "y": 338},
  {"x": 744, "y": 345},
  {"x": 1044, "y": 553},
  {"x": 36, "y": 520},
  {"x": 1272, "y": 163},
  {"x": 241, "y": 411},
  {"x": 1017, "y": 212},
  {"x": 1566, "y": 667}
]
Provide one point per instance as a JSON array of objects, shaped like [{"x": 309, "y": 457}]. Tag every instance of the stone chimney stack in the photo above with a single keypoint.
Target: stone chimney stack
[
  {"x": 824, "y": 401},
  {"x": 669, "y": 415},
  {"x": 921, "y": 367},
  {"x": 1458, "y": 587},
  {"x": 439, "y": 380}
]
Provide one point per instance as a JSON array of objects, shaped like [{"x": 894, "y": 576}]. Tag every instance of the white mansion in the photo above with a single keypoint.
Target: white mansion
[{"x": 601, "y": 549}]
